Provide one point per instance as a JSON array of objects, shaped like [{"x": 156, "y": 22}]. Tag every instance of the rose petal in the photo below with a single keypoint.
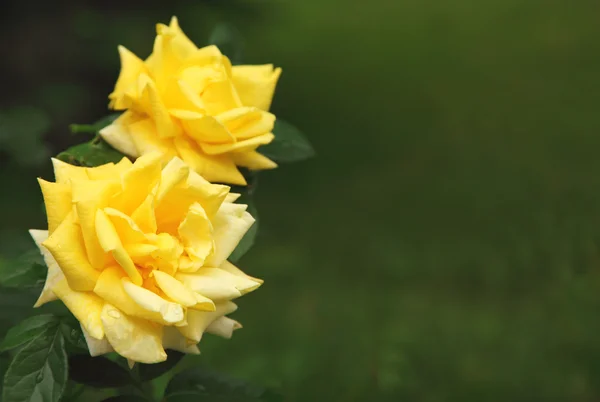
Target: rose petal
[{"x": 135, "y": 339}]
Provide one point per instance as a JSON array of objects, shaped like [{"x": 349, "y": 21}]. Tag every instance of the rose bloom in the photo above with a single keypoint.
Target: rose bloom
[
  {"x": 191, "y": 103},
  {"x": 138, "y": 253}
]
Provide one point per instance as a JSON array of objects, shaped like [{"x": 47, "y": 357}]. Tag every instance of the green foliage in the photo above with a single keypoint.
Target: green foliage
[
  {"x": 95, "y": 127},
  {"x": 147, "y": 372},
  {"x": 98, "y": 372},
  {"x": 26, "y": 330},
  {"x": 289, "y": 145},
  {"x": 229, "y": 40},
  {"x": 200, "y": 384},
  {"x": 26, "y": 270},
  {"x": 93, "y": 153},
  {"x": 126, "y": 398},
  {"x": 39, "y": 370}
]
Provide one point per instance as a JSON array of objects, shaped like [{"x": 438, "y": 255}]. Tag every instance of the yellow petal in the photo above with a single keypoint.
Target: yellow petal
[
  {"x": 256, "y": 84},
  {"x": 89, "y": 196},
  {"x": 138, "y": 182},
  {"x": 203, "y": 128},
  {"x": 198, "y": 321},
  {"x": 96, "y": 347},
  {"x": 131, "y": 68},
  {"x": 166, "y": 257},
  {"x": 165, "y": 125},
  {"x": 172, "y": 339},
  {"x": 170, "y": 312},
  {"x": 133, "y": 338},
  {"x": 232, "y": 197},
  {"x": 111, "y": 243},
  {"x": 232, "y": 269},
  {"x": 63, "y": 172},
  {"x": 220, "y": 96},
  {"x": 214, "y": 168},
  {"x": 247, "y": 122},
  {"x": 144, "y": 216},
  {"x": 54, "y": 273},
  {"x": 174, "y": 289},
  {"x": 118, "y": 136},
  {"x": 196, "y": 233},
  {"x": 218, "y": 284},
  {"x": 67, "y": 247},
  {"x": 252, "y": 160},
  {"x": 249, "y": 144},
  {"x": 110, "y": 288},
  {"x": 173, "y": 174},
  {"x": 223, "y": 327},
  {"x": 58, "y": 202},
  {"x": 129, "y": 232},
  {"x": 145, "y": 137},
  {"x": 230, "y": 224},
  {"x": 85, "y": 306}
]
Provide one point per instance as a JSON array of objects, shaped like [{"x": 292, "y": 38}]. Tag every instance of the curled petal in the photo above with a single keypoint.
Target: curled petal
[
  {"x": 64, "y": 172},
  {"x": 85, "y": 306},
  {"x": 111, "y": 243},
  {"x": 135, "y": 339},
  {"x": 174, "y": 289},
  {"x": 223, "y": 327},
  {"x": 256, "y": 84},
  {"x": 252, "y": 160},
  {"x": 198, "y": 321},
  {"x": 230, "y": 224},
  {"x": 68, "y": 249},
  {"x": 172, "y": 339},
  {"x": 57, "y": 199},
  {"x": 96, "y": 347},
  {"x": 170, "y": 312},
  {"x": 54, "y": 274}
]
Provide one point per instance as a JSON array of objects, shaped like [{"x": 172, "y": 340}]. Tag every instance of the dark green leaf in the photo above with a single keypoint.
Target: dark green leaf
[
  {"x": 149, "y": 372},
  {"x": 93, "y": 153},
  {"x": 39, "y": 371},
  {"x": 27, "y": 330},
  {"x": 229, "y": 40},
  {"x": 126, "y": 398},
  {"x": 248, "y": 240},
  {"x": 201, "y": 384},
  {"x": 98, "y": 372},
  {"x": 289, "y": 145},
  {"x": 27, "y": 270},
  {"x": 96, "y": 127},
  {"x": 73, "y": 335}
]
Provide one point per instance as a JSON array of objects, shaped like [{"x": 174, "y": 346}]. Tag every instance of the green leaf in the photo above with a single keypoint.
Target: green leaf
[
  {"x": 149, "y": 372},
  {"x": 27, "y": 270},
  {"x": 95, "y": 127},
  {"x": 126, "y": 398},
  {"x": 39, "y": 371},
  {"x": 229, "y": 41},
  {"x": 248, "y": 240},
  {"x": 200, "y": 384},
  {"x": 93, "y": 153},
  {"x": 98, "y": 372},
  {"x": 27, "y": 330},
  {"x": 289, "y": 145},
  {"x": 73, "y": 334}
]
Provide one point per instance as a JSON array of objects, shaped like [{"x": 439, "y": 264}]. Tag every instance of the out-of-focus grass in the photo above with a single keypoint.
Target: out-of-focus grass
[{"x": 444, "y": 244}]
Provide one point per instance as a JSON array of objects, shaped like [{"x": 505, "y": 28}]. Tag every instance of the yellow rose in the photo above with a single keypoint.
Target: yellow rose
[
  {"x": 138, "y": 253},
  {"x": 191, "y": 103}
]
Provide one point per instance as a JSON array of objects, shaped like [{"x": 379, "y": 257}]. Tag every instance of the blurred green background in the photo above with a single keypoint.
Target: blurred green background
[{"x": 443, "y": 246}]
